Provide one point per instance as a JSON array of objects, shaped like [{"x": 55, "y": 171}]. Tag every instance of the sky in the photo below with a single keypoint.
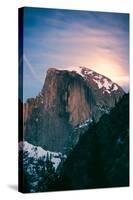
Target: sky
[{"x": 65, "y": 38}]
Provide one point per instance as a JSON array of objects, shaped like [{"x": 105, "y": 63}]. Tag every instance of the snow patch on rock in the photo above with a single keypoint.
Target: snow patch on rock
[
  {"x": 100, "y": 85},
  {"x": 102, "y": 82},
  {"x": 115, "y": 87}
]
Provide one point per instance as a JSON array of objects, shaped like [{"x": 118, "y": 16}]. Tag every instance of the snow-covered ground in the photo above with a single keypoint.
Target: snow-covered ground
[
  {"x": 34, "y": 160},
  {"x": 37, "y": 152}
]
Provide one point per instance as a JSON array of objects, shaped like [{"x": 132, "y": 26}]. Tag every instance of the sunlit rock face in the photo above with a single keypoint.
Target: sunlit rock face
[{"x": 68, "y": 98}]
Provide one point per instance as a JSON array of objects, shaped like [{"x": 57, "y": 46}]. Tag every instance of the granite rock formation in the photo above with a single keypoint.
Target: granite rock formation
[{"x": 69, "y": 98}]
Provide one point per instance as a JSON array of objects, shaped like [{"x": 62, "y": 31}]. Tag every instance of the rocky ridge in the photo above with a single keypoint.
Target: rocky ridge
[{"x": 68, "y": 99}]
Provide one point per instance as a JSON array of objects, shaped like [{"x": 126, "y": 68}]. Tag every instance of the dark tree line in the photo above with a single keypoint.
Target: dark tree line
[
  {"x": 101, "y": 157},
  {"x": 36, "y": 175}
]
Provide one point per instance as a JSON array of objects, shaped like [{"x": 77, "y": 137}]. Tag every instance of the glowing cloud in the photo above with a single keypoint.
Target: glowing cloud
[{"x": 62, "y": 38}]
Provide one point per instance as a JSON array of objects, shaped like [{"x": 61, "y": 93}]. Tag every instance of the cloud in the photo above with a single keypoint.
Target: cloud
[{"x": 63, "y": 38}]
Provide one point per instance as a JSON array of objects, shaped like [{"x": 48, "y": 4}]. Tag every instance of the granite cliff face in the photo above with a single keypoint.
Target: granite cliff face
[{"x": 69, "y": 98}]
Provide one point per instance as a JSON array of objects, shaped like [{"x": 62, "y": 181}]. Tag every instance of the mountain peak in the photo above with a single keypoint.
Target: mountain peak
[
  {"x": 100, "y": 81},
  {"x": 70, "y": 97}
]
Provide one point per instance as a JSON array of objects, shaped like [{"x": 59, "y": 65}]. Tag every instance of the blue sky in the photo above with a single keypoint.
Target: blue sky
[{"x": 64, "y": 38}]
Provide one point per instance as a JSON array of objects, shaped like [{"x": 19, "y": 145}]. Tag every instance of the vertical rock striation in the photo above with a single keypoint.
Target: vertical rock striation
[{"x": 68, "y": 98}]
